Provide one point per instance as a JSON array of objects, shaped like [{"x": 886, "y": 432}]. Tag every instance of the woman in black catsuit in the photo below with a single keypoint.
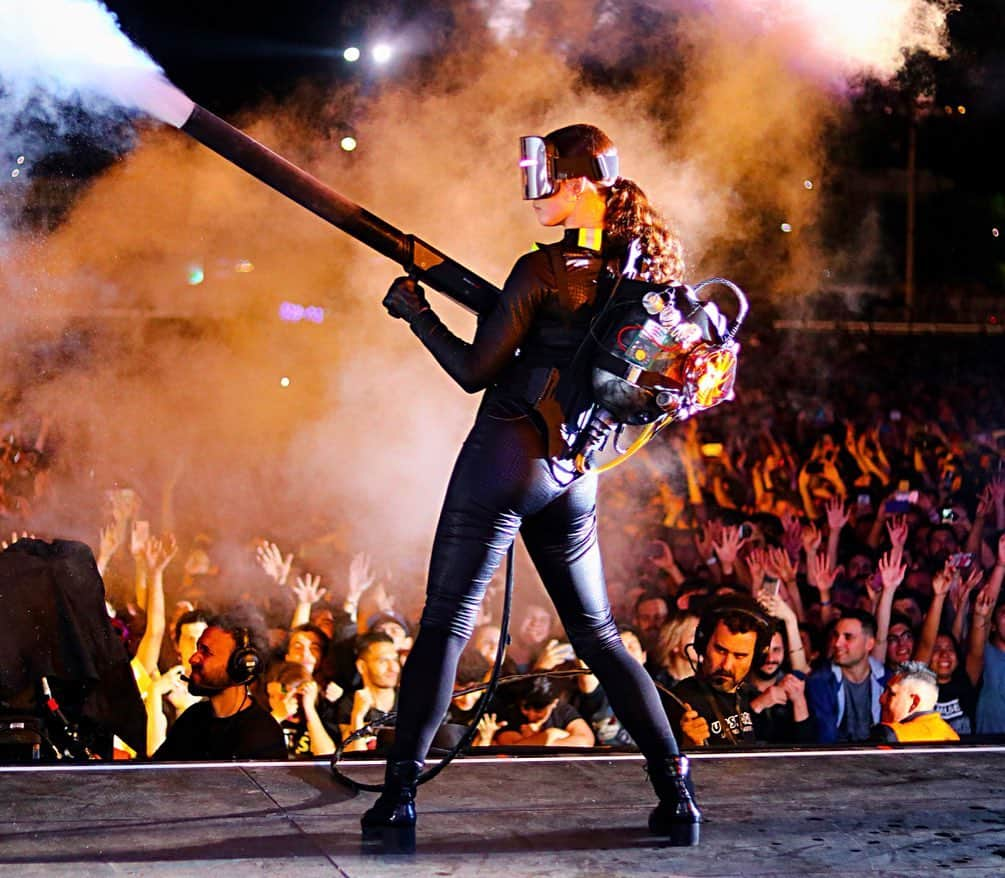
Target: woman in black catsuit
[{"x": 514, "y": 475}]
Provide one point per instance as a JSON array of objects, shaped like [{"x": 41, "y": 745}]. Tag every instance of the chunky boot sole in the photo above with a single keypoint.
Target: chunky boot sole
[
  {"x": 390, "y": 839},
  {"x": 685, "y": 835},
  {"x": 679, "y": 835}
]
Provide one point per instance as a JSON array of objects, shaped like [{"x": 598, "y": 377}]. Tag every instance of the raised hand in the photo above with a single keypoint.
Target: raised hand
[
  {"x": 792, "y": 535},
  {"x": 943, "y": 579},
  {"x": 704, "y": 540},
  {"x": 896, "y": 527},
  {"x": 728, "y": 547},
  {"x": 837, "y": 514},
  {"x": 110, "y": 540},
  {"x": 959, "y": 596},
  {"x": 891, "y": 571},
  {"x": 271, "y": 560},
  {"x": 159, "y": 552},
  {"x": 361, "y": 576},
  {"x": 819, "y": 573},
  {"x": 308, "y": 590},
  {"x": 757, "y": 565},
  {"x": 780, "y": 565},
  {"x": 662, "y": 556},
  {"x": 985, "y": 603},
  {"x": 973, "y": 579}
]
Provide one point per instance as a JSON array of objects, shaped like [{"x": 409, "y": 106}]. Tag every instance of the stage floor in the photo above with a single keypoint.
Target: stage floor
[{"x": 872, "y": 812}]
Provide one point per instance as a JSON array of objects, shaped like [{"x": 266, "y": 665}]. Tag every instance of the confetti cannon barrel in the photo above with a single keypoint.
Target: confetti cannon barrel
[{"x": 422, "y": 261}]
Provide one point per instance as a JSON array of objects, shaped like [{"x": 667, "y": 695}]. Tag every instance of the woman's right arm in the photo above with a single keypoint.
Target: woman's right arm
[{"x": 475, "y": 365}]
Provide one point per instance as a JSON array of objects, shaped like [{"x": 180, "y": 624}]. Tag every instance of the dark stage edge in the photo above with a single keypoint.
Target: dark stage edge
[{"x": 861, "y": 812}]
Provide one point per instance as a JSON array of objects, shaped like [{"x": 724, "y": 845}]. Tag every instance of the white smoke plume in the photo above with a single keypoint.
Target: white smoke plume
[{"x": 73, "y": 49}]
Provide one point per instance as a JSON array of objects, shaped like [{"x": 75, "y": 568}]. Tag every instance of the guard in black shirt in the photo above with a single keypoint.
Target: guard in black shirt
[{"x": 229, "y": 725}]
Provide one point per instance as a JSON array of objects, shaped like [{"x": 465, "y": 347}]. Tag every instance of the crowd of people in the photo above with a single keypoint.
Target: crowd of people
[{"x": 820, "y": 572}]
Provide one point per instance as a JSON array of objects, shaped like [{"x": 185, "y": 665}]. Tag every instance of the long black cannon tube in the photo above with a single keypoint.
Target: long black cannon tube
[{"x": 422, "y": 261}]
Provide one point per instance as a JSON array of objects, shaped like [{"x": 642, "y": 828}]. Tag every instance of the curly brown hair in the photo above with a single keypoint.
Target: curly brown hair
[{"x": 629, "y": 216}]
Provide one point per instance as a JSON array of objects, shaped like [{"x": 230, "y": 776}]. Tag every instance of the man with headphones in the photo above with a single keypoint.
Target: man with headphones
[
  {"x": 712, "y": 708},
  {"x": 229, "y": 724}
]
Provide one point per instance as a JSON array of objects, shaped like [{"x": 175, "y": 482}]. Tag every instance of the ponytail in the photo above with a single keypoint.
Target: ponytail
[{"x": 630, "y": 217}]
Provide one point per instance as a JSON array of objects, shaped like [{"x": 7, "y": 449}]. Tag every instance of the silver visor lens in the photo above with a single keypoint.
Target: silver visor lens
[{"x": 535, "y": 170}]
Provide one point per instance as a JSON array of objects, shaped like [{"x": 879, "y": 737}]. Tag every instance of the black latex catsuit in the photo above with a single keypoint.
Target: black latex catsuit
[{"x": 506, "y": 480}]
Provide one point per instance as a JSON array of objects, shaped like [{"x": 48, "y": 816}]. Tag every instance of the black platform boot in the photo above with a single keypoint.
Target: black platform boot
[
  {"x": 677, "y": 815},
  {"x": 391, "y": 820}
]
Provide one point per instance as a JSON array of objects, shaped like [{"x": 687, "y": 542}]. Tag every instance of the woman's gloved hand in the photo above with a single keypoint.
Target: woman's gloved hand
[{"x": 405, "y": 299}]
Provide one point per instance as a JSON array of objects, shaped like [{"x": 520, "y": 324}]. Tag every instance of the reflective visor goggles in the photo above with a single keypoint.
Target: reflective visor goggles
[{"x": 542, "y": 169}]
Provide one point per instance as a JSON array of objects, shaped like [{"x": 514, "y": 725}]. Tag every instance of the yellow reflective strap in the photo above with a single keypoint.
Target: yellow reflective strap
[{"x": 591, "y": 239}]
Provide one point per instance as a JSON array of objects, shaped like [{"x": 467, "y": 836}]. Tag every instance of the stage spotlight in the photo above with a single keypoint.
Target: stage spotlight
[
  {"x": 382, "y": 53},
  {"x": 348, "y": 143},
  {"x": 351, "y": 54},
  {"x": 786, "y": 227},
  {"x": 284, "y": 382}
]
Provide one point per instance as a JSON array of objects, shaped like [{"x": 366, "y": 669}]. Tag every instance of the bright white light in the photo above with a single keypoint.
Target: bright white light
[
  {"x": 15, "y": 173},
  {"x": 995, "y": 233},
  {"x": 382, "y": 53},
  {"x": 807, "y": 184},
  {"x": 786, "y": 227},
  {"x": 351, "y": 54},
  {"x": 20, "y": 159},
  {"x": 348, "y": 143},
  {"x": 284, "y": 382}
]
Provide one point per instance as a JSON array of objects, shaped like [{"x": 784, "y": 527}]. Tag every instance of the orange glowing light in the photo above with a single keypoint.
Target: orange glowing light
[{"x": 714, "y": 373}]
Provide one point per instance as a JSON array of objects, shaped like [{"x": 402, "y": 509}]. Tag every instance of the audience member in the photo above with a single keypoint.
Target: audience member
[
  {"x": 843, "y": 694},
  {"x": 712, "y": 707},
  {"x": 908, "y": 708},
  {"x": 380, "y": 670},
  {"x": 544, "y": 721},
  {"x": 229, "y": 724}
]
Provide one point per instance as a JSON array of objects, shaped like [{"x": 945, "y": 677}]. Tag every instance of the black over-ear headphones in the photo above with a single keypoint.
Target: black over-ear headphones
[
  {"x": 244, "y": 663},
  {"x": 734, "y": 605}
]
